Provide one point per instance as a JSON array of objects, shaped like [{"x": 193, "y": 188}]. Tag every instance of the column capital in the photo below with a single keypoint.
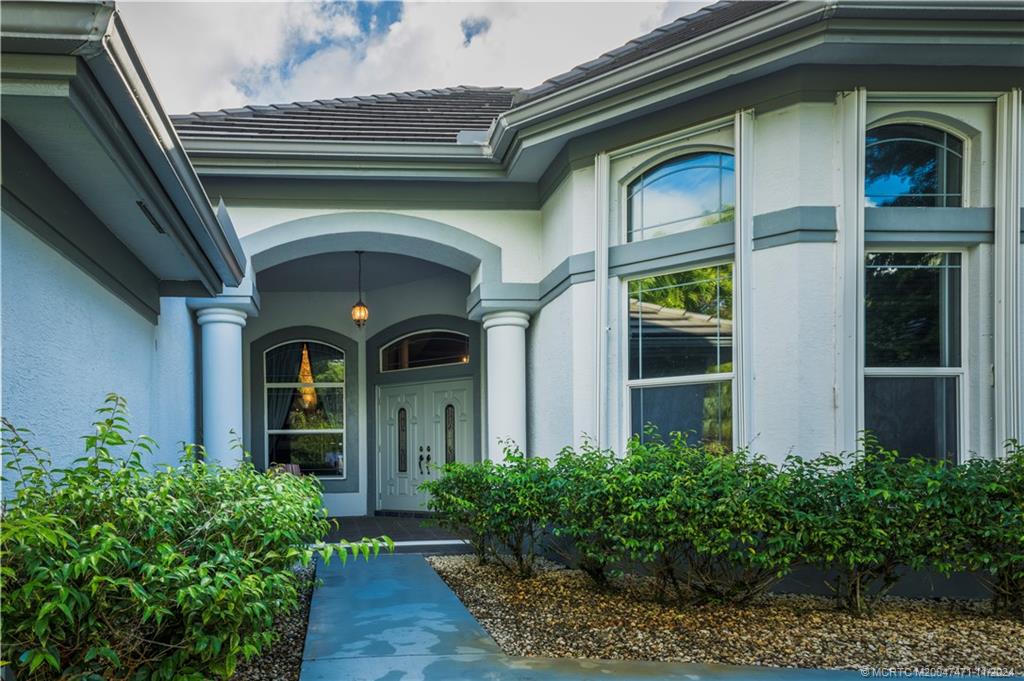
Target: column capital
[
  {"x": 506, "y": 318},
  {"x": 221, "y": 315}
]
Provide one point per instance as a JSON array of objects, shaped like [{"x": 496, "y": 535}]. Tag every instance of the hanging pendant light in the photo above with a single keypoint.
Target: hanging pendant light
[{"x": 360, "y": 313}]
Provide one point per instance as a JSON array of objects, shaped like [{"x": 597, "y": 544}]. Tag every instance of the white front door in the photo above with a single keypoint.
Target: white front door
[{"x": 420, "y": 427}]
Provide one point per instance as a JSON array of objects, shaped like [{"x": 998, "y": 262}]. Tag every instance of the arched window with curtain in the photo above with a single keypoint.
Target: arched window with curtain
[
  {"x": 913, "y": 165},
  {"x": 684, "y": 193},
  {"x": 305, "y": 407}
]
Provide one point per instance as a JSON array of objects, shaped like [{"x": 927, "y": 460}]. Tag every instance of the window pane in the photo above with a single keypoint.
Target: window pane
[
  {"x": 682, "y": 194},
  {"x": 305, "y": 408},
  {"x": 916, "y": 416},
  {"x": 912, "y": 165},
  {"x": 912, "y": 310},
  {"x": 703, "y": 411},
  {"x": 431, "y": 348},
  {"x": 305, "y": 362},
  {"x": 449, "y": 433},
  {"x": 314, "y": 453},
  {"x": 403, "y": 441},
  {"x": 681, "y": 324}
]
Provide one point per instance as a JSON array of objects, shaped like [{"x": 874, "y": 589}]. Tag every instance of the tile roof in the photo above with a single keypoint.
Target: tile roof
[
  {"x": 440, "y": 115},
  {"x": 681, "y": 30},
  {"x": 418, "y": 116}
]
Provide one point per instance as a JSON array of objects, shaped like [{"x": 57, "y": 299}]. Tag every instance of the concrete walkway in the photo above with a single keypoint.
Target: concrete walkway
[{"x": 394, "y": 619}]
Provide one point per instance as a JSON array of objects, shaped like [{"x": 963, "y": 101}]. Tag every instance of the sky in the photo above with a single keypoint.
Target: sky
[{"x": 204, "y": 56}]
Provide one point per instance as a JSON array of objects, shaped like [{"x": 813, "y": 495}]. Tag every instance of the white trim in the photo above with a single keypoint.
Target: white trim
[
  {"x": 267, "y": 385},
  {"x": 849, "y": 281},
  {"x": 743, "y": 426},
  {"x": 1009, "y": 405},
  {"x": 602, "y": 197}
]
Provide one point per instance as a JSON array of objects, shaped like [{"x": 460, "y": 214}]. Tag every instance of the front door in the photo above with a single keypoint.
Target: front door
[{"x": 421, "y": 426}]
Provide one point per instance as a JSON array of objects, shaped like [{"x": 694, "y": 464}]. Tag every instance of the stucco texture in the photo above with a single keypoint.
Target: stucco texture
[{"x": 67, "y": 342}]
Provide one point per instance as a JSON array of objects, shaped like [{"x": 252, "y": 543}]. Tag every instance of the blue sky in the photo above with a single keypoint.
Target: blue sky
[{"x": 212, "y": 55}]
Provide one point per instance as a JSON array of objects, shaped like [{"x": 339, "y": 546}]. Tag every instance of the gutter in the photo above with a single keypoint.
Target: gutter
[{"x": 93, "y": 30}]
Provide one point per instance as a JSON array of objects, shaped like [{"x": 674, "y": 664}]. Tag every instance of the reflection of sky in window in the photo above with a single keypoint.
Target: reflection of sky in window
[{"x": 682, "y": 194}]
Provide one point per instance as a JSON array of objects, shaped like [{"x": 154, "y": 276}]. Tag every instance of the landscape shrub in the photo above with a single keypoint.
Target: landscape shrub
[
  {"x": 587, "y": 503},
  {"x": 113, "y": 571},
  {"x": 503, "y": 509},
  {"x": 459, "y": 500},
  {"x": 985, "y": 524},
  {"x": 868, "y": 515},
  {"x": 710, "y": 525},
  {"x": 716, "y": 526}
]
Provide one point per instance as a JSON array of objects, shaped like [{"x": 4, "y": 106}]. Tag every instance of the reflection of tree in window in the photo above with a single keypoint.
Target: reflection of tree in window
[
  {"x": 911, "y": 309},
  {"x": 912, "y": 165}
]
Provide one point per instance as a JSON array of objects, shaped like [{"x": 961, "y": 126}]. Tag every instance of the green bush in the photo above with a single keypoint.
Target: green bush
[
  {"x": 113, "y": 571},
  {"x": 459, "y": 499},
  {"x": 985, "y": 524},
  {"x": 502, "y": 509},
  {"x": 587, "y": 503},
  {"x": 866, "y": 516},
  {"x": 716, "y": 526}
]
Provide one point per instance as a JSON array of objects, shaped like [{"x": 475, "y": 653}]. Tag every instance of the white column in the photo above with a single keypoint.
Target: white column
[
  {"x": 222, "y": 382},
  {"x": 506, "y": 380}
]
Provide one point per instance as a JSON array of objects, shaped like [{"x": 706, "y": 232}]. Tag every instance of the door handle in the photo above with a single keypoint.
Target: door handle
[
  {"x": 421, "y": 464},
  {"x": 428, "y": 461}
]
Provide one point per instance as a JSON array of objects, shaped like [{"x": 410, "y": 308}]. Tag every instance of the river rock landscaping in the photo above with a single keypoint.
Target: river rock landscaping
[{"x": 560, "y": 613}]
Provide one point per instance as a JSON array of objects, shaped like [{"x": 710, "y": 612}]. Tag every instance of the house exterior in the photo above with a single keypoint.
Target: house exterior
[{"x": 771, "y": 225}]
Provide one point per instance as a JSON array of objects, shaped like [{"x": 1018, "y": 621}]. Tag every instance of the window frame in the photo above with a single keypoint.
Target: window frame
[
  {"x": 960, "y": 373},
  {"x": 670, "y": 381},
  {"x": 652, "y": 164},
  {"x": 380, "y": 352},
  {"x": 343, "y": 431}
]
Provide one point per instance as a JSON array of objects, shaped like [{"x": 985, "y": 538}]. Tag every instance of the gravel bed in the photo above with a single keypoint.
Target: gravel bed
[
  {"x": 283, "y": 660},
  {"x": 559, "y": 614}
]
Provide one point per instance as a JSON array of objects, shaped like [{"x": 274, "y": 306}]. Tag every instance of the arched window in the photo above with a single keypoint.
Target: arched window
[
  {"x": 684, "y": 193},
  {"x": 913, "y": 165},
  {"x": 425, "y": 349},
  {"x": 305, "y": 405}
]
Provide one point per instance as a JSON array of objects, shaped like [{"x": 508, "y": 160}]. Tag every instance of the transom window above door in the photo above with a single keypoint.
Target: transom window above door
[
  {"x": 913, "y": 165},
  {"x": 425, "y": 349},
  {"x": 681, "y": 194},
  {"x": 680, "y": 354},
  {"x": 305, "y": 407}
]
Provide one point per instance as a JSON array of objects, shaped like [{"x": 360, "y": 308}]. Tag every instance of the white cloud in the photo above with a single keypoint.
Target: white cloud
[{"x": 217, "y": 55}]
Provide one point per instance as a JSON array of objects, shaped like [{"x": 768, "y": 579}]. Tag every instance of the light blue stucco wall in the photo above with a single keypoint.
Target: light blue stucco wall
[{"x": 65, "y": 342}]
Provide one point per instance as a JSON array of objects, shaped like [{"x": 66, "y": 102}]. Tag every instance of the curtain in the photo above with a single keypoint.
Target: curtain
[{"x": 282, "y": 364}]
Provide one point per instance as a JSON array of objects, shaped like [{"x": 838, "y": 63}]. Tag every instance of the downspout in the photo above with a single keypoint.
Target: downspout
[{"x": 601, "y": 221}]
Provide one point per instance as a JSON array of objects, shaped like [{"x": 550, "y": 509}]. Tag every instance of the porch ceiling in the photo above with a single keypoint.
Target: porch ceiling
[{"x": 337, "y": 272}]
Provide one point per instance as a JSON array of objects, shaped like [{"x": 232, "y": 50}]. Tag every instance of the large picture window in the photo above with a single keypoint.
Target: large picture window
[
  {"x": 305, "y": 407},
  {"x": 685, "y": 193},
  {"x": 680, "y": 354},
  {"x": 912, "y": 352},
  {"x": 913, "y": 165}
]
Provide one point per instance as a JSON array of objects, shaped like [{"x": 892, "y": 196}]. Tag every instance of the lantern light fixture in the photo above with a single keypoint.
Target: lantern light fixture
[{"x": 360, "y": 313}]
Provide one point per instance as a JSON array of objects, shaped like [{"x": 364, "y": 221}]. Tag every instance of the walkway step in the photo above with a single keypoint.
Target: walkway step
[{"x": 393, "y": 619}]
